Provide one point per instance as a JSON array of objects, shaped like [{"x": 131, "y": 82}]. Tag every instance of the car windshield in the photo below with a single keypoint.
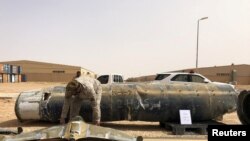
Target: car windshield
[
  {"x": 161, "y": 76},
  {"x": 103, "y": 79}
]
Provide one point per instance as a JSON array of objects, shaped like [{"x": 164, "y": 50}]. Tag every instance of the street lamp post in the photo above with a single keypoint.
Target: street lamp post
[{"x": 197, "y": 49}]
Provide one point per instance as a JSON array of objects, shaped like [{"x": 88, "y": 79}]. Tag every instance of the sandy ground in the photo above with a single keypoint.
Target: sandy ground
[
  {"x": 19, "y": 87},
  {"x": 149, "y": 130}
]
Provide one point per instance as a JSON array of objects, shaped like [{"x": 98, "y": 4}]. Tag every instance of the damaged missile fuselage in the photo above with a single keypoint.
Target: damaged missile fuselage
[{"x": 153, "y": 101}]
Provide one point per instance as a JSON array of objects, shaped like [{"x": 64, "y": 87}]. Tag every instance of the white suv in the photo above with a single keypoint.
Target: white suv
[{"x": 182, "y": 77}]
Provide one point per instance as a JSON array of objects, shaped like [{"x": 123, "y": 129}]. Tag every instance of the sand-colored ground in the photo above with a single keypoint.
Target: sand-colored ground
[
  {"x": 19, "y": 87},
  {"x": 135, "y": 128}
]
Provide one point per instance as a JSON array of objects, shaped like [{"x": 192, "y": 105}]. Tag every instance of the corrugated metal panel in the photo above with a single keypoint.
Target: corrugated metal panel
[
  {"x": 19, "y": 78},
  {"x": 23, "y": 78},
  {"x": 1, "y": 68},
  {"x": 10, "y": 69},
  {"x": 14, "y": 69},
  {"x": 1, "y": 78},
  {"x": 19, "y": 69},
  {"x": 12, "y": 78},
  {"x": 16, "y": 78},
  {"x": 9, "y": 78},
  {"x": 5, "y": 78},
  {"x": 6, "y": 68}
]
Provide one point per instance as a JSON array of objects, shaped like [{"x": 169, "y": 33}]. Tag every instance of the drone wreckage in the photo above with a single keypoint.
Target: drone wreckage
[{"x": 77, "y": 129}]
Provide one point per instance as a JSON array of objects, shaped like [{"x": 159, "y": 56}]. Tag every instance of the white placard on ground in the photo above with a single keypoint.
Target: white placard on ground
[{"x": 185, "y": 117}]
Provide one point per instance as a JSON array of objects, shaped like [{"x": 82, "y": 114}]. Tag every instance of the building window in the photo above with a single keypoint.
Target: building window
[
  {"x": 58, "y": 71},
  {"x": 222, "y": 74}
]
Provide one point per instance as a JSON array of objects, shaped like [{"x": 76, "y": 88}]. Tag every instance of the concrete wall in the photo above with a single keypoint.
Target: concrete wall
[
  {"x": 219, "y": 74},
  {"x": 224, "y": 73}
]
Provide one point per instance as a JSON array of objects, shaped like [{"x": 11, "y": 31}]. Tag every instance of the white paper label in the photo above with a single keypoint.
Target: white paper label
[{"x": 185, "y": 117}]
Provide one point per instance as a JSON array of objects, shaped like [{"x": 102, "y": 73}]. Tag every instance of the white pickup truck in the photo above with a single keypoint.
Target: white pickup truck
[{"x": 110, "y": 78}]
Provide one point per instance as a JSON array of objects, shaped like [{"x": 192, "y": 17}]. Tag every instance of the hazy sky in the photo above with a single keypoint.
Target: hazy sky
[{"x": 131, "y": 37}]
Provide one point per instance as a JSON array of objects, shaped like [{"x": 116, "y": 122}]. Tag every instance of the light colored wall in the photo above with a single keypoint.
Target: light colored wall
[
  {"x": 242, "y": 71},
  {"x": 43, "y": 72}
]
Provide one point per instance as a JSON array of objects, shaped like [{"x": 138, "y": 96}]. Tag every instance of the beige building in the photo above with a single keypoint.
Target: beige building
[
  {"x": 236, "y": 74},
  {"x": 239, "y": 74},
  {"x": 33, "y": 71}
]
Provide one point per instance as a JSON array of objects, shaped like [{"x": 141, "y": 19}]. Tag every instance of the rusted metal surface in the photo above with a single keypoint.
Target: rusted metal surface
[
  {"x": 74, "y": 130},
  {"x": 243, "y": 107},
  {"x": 143, "y": 101}
]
